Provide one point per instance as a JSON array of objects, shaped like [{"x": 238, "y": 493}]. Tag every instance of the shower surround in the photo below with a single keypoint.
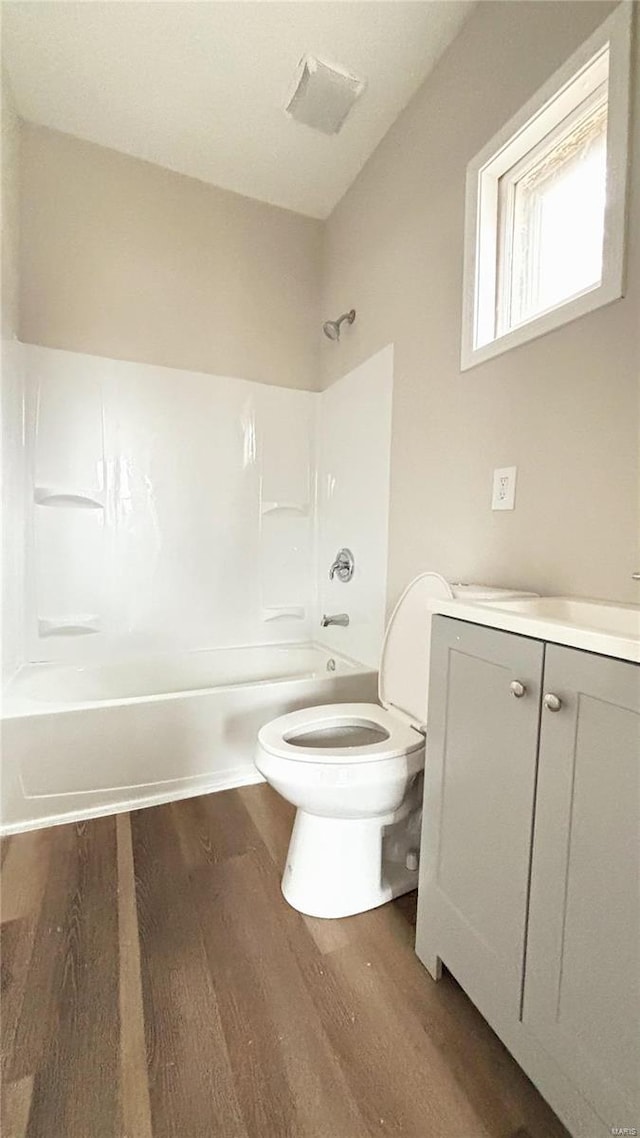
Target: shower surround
[
  {"x": 166, "y": 518},
  {"x": 171, "y": 510}
]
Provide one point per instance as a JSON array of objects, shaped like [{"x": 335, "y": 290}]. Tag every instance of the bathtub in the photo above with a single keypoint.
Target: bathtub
[{"x": 80, "y": 742}]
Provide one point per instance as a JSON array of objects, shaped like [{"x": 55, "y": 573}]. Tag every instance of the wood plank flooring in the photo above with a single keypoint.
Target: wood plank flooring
[{"x": 156, "y": 985}]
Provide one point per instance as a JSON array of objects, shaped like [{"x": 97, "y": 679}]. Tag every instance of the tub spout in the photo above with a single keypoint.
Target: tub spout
[{"x": 341, "y": 618}]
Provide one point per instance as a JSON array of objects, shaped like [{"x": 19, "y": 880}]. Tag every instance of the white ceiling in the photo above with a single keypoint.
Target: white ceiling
[{"x": 200, "y": 87}]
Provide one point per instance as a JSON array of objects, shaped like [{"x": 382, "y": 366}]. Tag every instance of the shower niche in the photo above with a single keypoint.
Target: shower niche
[
  {"x": 68, "y": 530},
  {"x": 285, "y": 509}
]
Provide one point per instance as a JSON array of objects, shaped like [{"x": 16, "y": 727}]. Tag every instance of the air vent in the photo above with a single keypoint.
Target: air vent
[{"x": 323, "y": 96}]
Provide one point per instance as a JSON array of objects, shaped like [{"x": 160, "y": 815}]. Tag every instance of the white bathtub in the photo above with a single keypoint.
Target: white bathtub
[{"x": 78, "y": 742}]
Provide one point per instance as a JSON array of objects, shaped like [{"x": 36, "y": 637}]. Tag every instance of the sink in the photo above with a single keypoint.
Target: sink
[
  {"x": 599, "y": 616},
  {"x": 594, "y": 626}
]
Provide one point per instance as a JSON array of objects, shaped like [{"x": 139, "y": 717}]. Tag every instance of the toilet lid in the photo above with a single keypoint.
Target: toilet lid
[{"x": 403, "y": 681}]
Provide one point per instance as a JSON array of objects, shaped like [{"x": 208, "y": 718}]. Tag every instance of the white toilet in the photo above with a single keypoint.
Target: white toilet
[{"x": 354, "y": 771}]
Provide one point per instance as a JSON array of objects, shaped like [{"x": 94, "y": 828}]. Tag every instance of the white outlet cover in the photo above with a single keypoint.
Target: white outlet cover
[{"x": 504, "y": 488}]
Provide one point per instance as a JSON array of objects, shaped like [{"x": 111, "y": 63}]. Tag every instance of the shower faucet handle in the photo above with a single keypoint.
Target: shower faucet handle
[{"x": 343, "y": 566}]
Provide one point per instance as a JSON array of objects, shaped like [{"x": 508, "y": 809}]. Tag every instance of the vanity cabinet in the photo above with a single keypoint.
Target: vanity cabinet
[
  {"x": 529, "y": 877},
  {"x": 480, "y": 785},
  {"x": 581, "y": 994}
]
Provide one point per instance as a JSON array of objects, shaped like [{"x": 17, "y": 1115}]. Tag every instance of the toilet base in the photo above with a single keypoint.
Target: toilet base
[{"x": 337, "y": 867}]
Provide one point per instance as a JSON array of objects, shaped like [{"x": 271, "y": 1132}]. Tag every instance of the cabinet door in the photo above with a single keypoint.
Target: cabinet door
[
  {"x": 583, "y": 948},
  {"x": 482, "y": 739}
]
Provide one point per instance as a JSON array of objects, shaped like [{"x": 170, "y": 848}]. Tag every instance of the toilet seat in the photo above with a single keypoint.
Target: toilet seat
[{"x": 400, "y": 739}]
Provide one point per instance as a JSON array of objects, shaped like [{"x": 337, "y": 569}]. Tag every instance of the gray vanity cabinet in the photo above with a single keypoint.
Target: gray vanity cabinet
[
  {"x": 582, "y": 988},
  {"x": 479, "y": 797},
  {"x": 529, "y": 878}
]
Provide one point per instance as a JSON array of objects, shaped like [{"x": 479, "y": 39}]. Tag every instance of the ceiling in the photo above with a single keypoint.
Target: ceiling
[{"x": 199, "y": 87}]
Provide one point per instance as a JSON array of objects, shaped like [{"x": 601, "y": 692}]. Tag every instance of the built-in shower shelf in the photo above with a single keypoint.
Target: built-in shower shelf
[
  {"x": 68, "y": 626},
  {"x": 54, "y": 497},
  {"x": 284, "y": 612},
  {"x": 301, "y": 508}
]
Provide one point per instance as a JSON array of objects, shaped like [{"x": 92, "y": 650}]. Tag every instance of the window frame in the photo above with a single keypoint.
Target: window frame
[
  {"x": 520, "y": 136},
  {"x": 507, "y": 194}
]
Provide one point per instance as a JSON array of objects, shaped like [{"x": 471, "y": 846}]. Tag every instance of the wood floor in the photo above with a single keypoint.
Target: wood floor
[{"x": 156, "y": 985}]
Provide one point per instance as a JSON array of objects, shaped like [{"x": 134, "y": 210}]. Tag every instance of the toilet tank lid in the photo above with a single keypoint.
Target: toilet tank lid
[{"x": 403, "y": 680}]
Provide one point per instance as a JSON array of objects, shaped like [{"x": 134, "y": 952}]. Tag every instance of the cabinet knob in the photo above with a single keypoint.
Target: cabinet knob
[
  {"x": 552, "y": 702},
  {"x": 517, "y": 689}
]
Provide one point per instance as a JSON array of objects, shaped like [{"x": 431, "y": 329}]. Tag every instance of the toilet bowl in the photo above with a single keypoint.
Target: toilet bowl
[{"x": 354, "y": 772}]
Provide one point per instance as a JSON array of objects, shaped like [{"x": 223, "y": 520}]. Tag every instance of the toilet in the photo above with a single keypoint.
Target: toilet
[{"x": 354, "y": 771}]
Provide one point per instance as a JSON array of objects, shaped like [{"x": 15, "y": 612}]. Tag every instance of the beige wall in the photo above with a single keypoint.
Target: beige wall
[
  {"x": 10, "y": 147},
  {"x": 124, "y": 259},
  {"x": 12, "y": 464},
  {"x": 563, "y": 408}
]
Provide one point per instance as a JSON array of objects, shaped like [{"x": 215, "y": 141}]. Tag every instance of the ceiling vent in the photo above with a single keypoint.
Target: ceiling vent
[{"x": 323, "y": 95}]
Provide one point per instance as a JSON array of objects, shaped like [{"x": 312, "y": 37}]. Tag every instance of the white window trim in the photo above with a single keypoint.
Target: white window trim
[{"x": 481, "y": 211}]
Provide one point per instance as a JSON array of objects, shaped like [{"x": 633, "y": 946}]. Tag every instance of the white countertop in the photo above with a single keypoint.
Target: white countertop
[{"x": 594, "y": 626}]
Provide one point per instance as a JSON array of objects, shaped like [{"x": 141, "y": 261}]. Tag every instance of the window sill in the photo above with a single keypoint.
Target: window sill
[{"x": 541, "y": 325}]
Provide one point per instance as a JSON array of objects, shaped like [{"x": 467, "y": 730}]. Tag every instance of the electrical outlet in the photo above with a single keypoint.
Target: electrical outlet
[{"x": 504, "y": 488}]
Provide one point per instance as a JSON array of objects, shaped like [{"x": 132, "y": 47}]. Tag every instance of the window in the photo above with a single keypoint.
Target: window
[{"x": 544, "y": 233}]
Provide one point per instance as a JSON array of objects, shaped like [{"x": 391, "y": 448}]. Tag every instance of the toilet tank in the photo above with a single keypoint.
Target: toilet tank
[{"x": 403, "y": 679}]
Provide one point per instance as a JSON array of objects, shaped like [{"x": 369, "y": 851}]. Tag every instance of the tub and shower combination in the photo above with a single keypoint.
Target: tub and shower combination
[
  {"x": 171, "y": 534},
  {"x": 92, "y": 740}
]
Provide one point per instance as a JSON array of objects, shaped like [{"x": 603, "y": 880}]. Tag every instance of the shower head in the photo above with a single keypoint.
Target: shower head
[{"x": 331, "y": 328}]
